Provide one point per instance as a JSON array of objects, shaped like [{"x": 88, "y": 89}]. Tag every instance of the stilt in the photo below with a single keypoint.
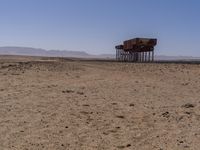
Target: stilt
[
  {"x": 139, "y": 57},
  {"x": 153, "y": 56},
  {"x": 149, "y": 56},
  {"x": 145, "y": 56},
  {"x": 142, "y": 56}
]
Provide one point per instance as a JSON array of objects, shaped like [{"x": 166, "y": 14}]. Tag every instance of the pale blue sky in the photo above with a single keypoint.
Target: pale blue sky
[{"x": 96, "y": 26}]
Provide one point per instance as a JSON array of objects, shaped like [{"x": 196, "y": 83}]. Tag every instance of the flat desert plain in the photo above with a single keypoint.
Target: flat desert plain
[{"x": 66, "y": 104}]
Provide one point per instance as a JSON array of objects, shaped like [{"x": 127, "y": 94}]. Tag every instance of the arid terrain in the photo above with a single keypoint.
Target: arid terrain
[{"x": 66, "y": 104}]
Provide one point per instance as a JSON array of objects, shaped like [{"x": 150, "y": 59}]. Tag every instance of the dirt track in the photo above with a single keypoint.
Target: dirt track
[{"x": 57, "y": 104}]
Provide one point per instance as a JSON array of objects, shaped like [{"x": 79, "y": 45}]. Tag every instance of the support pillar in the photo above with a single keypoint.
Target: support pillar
[
  {"x": 139, "y": 57},
  {"x": 149, "y": 56},
  {"x": 142, "y": 56},
  {"x": 153, "y": 56},
  {"x": 145, "y": 56}
]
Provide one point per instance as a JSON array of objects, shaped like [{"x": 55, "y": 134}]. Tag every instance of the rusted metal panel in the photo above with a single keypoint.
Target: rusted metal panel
[
  {"x": 119, "y": 47},
  {"x": 139, "y": 43}
]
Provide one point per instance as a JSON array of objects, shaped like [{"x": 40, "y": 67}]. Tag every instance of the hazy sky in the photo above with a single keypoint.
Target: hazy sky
[{"x": 96, "y": 26}]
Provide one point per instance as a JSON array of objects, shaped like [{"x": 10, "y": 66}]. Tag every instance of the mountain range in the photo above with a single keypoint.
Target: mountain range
[{"x": 28, "y": 51}]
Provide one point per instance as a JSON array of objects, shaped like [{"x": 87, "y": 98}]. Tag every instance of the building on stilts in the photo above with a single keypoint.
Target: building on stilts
[{"x": 136, "y": 50}]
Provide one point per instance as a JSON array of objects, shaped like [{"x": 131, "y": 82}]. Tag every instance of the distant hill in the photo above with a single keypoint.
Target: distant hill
[
  {"x": 163, "y": 57},
  {"x": 28, "y": 51}
]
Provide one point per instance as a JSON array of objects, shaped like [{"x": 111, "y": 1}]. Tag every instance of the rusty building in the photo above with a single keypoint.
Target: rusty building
[{"x": 136, "y": 50}]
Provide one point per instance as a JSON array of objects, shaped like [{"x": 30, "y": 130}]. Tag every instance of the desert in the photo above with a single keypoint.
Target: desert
[{"x": 59, "y": 103}]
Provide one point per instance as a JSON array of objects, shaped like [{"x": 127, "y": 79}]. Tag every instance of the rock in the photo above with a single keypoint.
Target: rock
[
  {"x": 114, "y": 103},
  {"x": 105, "y": 133},
  {"x": 181, "y": 142},
  {"x": 166, "y": 114},
  {"x": 80, "y": 93},
  {"x": 121, "y": 117},
  {"x": 188, "y": 113},
  {"x": 121, "y": 147},
  {"x": 186, "y": 146},
  {"x": 68, "y": 91},
  {"x": 185, "y": 84},
  {"x": 85, "y": 112},
  {"x": 188, "y": 105}
]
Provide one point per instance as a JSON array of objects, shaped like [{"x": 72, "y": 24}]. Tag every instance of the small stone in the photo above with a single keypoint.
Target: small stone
[
  {"x": 121, "y": 117},
  {"x": 181, "y": 142},
  {"x": 114, "y": 103},
  {"x": 166, "y": 114},
  {"x": 68, "y": 91},
  {"x": 188, "y": 113},
  {"x": 80, "y": 93},
  {"x": 188, "y": 105},
  {"x": 105, "y": 133},
  {"x": 180, "y": 118},
  {"x": 186, "y": 146},
  {"x": 120, "y": 147}
]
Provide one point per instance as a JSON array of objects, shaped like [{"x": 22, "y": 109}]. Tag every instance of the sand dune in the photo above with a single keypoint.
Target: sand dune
[{"x": 59, "y": 104}]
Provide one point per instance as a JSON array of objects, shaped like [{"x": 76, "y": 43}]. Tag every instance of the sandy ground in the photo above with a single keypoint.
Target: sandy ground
[{"x": 57, "y": 104}]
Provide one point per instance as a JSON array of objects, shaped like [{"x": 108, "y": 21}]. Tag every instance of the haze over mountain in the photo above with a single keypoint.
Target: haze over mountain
[{"x": 28, "y": 51}]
